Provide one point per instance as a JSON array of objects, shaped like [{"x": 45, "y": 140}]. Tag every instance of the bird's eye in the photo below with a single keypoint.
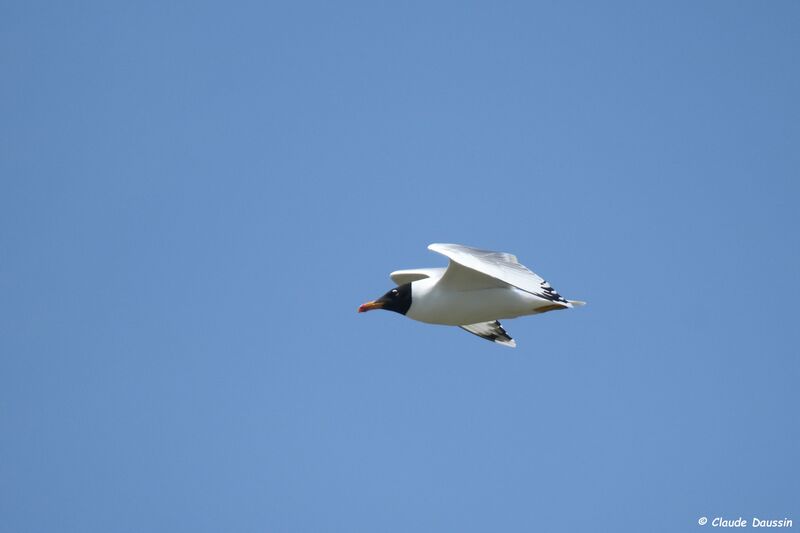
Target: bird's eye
[{"x": 394, "y": 291}]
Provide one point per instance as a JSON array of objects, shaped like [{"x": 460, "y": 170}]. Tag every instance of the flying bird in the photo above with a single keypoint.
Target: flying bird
[{"x": 477, "y": 288}]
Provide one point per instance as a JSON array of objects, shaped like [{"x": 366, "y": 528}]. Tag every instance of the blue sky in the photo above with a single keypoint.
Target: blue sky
[{"x": 196, "y": 197}]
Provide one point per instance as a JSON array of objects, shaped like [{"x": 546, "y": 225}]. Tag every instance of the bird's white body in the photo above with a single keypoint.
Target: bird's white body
[{"x": 431, "y": 304}]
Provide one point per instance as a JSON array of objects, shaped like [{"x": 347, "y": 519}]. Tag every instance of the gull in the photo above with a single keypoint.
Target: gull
[{"x": 477, "y": 288}]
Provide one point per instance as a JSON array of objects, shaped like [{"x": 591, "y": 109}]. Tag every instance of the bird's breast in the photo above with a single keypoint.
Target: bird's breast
[{"x": 455, "y": 308}]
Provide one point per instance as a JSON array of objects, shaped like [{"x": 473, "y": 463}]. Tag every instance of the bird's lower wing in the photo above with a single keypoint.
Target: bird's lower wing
[{"x": 491, "y": 331}]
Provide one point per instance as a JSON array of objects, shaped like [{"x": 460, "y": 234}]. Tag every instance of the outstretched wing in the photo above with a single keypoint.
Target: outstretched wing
[
  {"x": 499, "y": 266},
  {"x": 491, "y": 331},
  {"x": 407, "y": 276}
]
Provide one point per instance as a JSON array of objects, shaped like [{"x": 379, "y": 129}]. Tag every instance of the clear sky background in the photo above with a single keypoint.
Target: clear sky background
[{"x": 195, "y": 197}]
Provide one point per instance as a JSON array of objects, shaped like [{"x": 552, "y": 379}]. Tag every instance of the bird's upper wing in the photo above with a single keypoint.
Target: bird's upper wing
[
  {"x": 407, "y": 276},
  {"x": 498, "y": 266},
  {"x": 491, "y": 331}
]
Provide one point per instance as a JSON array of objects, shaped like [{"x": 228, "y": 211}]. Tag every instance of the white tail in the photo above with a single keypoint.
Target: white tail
[{"x": 577, "y": 303}]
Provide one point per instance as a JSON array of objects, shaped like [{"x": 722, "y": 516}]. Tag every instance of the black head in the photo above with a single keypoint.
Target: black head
[{"x": 397, "y": 300}]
